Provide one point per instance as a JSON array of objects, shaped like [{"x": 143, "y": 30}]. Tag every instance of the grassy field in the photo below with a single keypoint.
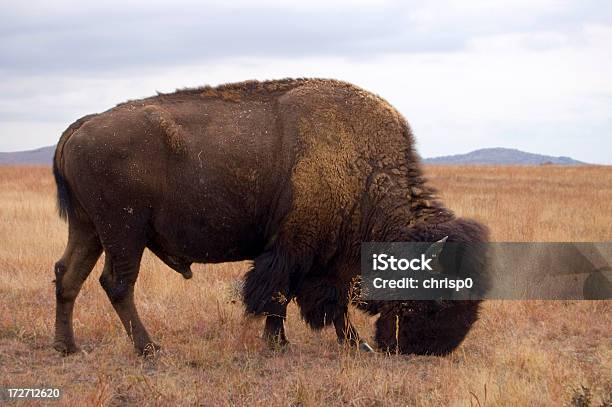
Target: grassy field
[{"x": 519, "y": 353}]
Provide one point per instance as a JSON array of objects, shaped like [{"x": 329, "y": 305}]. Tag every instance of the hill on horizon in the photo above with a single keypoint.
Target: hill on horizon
[
  {"x": 39, "y": 156},
  {"x": 500, "y": 156},
  {"x": 484, "y": 156}
]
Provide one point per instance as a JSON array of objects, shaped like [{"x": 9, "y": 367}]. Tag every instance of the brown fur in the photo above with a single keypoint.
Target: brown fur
[
  {"x": 63, "y": 193},
  {"x": 172, "y": 131},
  {"x": 293, "y": 174}
]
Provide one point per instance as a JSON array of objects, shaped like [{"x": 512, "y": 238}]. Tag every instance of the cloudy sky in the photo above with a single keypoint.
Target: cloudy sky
[{"x": 529, "y": 74}]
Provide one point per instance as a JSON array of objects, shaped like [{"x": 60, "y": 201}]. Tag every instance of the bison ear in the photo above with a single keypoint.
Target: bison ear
[{"x": 436, "y": 248}]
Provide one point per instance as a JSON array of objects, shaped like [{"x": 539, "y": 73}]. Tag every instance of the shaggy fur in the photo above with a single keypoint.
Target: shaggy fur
[{"x": 293, "y": 174}]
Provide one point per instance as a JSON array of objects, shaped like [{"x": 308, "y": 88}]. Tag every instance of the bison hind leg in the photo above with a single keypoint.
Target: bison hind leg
[{"x": 71, "y": 271}]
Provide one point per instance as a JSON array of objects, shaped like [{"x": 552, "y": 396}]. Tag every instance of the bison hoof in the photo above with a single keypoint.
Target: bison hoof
[
  {"x": 365, "y": 347},
  {"x": 277, "y": 343},
  {"x": 150, "y": 350},
  {"x": 65, "y": 349}
]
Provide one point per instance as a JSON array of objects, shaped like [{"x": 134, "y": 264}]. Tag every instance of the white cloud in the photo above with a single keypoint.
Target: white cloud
[{"x": 531, "y": 75}]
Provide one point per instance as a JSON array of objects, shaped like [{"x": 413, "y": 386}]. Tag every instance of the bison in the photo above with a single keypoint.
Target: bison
[{"x": 293, "y": 174}]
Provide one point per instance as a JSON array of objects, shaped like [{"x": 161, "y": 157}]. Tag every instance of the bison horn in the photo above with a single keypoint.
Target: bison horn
[
  {"x": 365, "y": 347},
  {"x": 436, "y": 248},
  {"x": 433, "y": 251}
]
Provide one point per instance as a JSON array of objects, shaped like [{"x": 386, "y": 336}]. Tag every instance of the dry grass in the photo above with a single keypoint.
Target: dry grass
[{"x": 520, "y": 353}]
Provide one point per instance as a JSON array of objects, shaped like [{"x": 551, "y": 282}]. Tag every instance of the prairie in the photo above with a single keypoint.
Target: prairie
[{"x": 518, "y": 353}]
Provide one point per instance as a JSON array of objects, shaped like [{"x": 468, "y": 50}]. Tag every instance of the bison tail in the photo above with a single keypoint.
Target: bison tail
[
  {"x": 64, "y": 204},
  {"x": 64, "y": 200}
]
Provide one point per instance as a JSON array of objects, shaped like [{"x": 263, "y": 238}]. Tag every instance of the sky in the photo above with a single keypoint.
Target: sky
[{"x": 529, "y": 74}]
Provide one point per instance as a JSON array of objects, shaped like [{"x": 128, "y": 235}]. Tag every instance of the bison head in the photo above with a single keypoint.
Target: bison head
[
  {"x": 436, "y": 327},
  {"x": 424, "y": 327}
]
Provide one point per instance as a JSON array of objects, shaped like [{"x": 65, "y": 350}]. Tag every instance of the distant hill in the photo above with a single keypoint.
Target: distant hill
[
  {"x": 40, "y": 156},
  {"x": 485, "y": 156},
  {"x": 501, "y": 156}
]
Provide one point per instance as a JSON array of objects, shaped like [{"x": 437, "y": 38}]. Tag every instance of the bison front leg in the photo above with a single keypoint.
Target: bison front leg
[
  {"x": 118, "y": 279},
  {"x": 323, "y": 302},
  {"x": 274, "y": 330},
  {"x": 266, "y": 291},
  {"x": 347, "y": 334}
]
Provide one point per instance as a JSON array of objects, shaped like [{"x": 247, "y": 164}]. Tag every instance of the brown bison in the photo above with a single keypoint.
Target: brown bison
[{"x": 292, "y": 174}]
